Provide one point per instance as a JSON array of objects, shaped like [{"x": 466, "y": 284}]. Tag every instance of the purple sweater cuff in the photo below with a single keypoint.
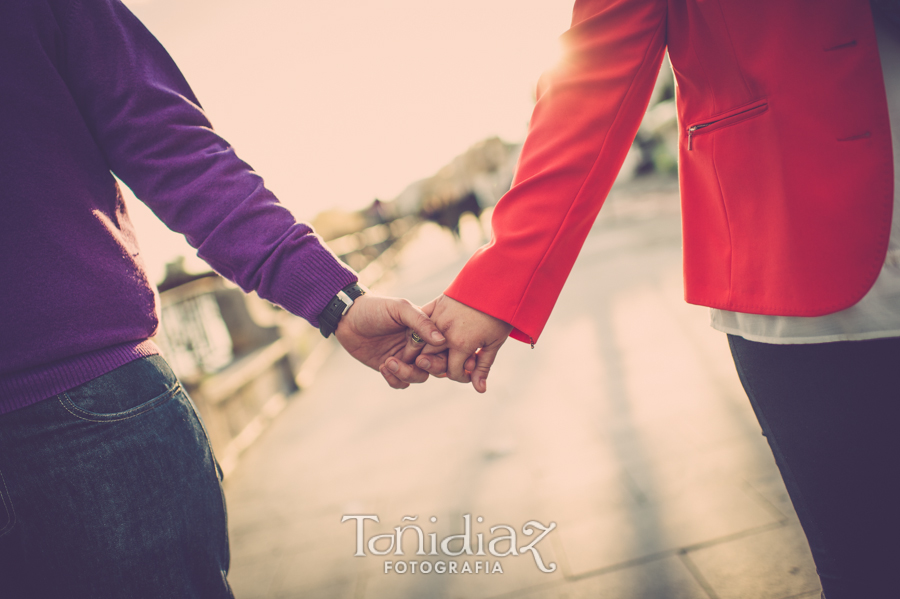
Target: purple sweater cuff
[{"x": 316, "y": 276}]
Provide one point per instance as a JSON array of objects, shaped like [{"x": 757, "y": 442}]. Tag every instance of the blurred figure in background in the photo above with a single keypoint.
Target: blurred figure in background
[
  {"x": 789, "y": 154},
  {"x": 108, "y": 487}
]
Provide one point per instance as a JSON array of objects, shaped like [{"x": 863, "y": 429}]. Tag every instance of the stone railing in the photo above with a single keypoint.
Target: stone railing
[{"x": 242, "y": 359}]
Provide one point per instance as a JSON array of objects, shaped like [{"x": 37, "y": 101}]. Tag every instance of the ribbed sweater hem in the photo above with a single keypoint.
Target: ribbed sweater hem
[{"x": 22, "y": 389}]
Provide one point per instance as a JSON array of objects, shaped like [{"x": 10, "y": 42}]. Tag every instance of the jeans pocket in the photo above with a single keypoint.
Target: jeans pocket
[
  {"x": 126, "y": 392},
  {"x": 137, "y": 410}
]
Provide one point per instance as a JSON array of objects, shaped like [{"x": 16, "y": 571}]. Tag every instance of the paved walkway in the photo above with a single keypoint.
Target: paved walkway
[{"x": 626, "y": 427}]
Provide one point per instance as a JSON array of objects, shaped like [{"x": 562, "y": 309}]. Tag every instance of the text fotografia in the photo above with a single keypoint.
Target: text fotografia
[
  {"x": 442, "y": 567},
  {"x": 503, "y": 542}
]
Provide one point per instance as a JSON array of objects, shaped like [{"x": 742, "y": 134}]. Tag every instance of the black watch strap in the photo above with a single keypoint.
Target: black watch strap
[{"x": 337, "y": 307}]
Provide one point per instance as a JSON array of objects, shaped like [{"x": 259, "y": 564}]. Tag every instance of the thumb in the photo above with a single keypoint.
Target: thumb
[
  {"x": 485, "y": 357},
  {"x": 415, "y": 319},
  {"x": 428, "y": 308},
  {"x": 471, "y": 363}
]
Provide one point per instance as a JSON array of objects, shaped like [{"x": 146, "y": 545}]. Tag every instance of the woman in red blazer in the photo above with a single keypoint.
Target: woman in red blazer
[
  {"x": 784, "y": 129},
  {"x": 787, "y": 187}
]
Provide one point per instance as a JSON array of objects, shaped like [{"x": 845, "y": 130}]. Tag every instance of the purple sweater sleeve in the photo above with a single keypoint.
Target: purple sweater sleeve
[{"x": 157, "y": 139}]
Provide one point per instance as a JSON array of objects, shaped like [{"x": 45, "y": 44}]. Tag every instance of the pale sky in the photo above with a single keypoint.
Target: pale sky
[{"x": 336, "y": 103}]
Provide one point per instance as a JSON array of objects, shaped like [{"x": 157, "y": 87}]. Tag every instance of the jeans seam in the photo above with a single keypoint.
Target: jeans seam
[
  {"x": 144, "y": 408},
  {"x": 218, "y": 474},
  {"x": 10, "y": 510}
]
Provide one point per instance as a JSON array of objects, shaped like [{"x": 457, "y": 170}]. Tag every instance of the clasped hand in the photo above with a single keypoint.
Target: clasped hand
[{"x": 458, "y": 342}]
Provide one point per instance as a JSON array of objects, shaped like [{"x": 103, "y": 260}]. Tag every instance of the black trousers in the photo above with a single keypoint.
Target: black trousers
[{"x": 831, "y": 414}]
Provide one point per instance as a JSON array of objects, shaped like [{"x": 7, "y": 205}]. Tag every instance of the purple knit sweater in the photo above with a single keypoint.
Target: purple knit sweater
[{"x": 87, "y": 91}]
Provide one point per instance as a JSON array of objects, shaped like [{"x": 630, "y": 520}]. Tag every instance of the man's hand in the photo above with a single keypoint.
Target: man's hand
[
  {"x": 377, "y": 328},
  {"x": 473, "y": 341}
]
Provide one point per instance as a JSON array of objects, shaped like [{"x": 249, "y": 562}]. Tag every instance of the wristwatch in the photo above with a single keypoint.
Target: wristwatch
[{"x": 337, "y": 307}]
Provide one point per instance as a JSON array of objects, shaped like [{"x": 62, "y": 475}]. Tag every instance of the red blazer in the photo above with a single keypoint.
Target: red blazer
[{"x": 785, "y": 160}]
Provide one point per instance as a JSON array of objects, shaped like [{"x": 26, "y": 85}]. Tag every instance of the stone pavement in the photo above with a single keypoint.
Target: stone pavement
[{"x": 626, "y": 427}]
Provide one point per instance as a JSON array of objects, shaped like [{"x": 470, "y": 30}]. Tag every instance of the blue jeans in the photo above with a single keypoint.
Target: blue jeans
[
  {"x": 111, "y": 490},
  {"x": 831, "y": 414}
]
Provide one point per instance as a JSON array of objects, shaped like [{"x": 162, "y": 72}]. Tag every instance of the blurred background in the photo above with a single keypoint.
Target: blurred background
[
  {"x": 339, "y": 103},
  {"x": 394, "y": 126}
]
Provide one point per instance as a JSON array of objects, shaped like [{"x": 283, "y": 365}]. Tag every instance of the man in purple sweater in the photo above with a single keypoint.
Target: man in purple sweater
[{"x": 108, "y": 487}]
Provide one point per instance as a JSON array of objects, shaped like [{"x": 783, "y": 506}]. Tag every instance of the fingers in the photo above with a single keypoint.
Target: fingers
[
  {"x": 406, "y": 373},
  {"x": 470, "y": 364},
  {"x": 392, "y": 380},
  {"x": 431, "y": 349},
  {"x": 428, "y": 308},
  {"x": 465, "y": 354},
  {"x": 416, "y": 319},
  {"x": 433, "y": 364},
  {"x": 456, "y": 361},
  {"x": 412, "y": 348},
  {"x": 484, "y": 358},
  {"x": 434, "y": 360}
]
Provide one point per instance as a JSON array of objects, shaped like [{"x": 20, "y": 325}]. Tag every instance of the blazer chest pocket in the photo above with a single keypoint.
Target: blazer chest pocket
[{"x": 725, "y": 119}]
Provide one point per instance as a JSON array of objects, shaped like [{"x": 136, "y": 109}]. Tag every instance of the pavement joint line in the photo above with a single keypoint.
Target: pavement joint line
[
  {"x": 561, "y": 557},
  {"x": 638, "y": 561},
  {"x": 567, "y": 579},
  {"x": 738, "y": 535},
  {"x": 681, "y": 553},
  {"x": 275, "y": 571},
  {"x": 698, "y": 576},
  {"x": 766, "y": 503},
  {"x": 359, "y": 590},
  {"x": 816, "y": 593},
  {"x": 530, "y": 589}
]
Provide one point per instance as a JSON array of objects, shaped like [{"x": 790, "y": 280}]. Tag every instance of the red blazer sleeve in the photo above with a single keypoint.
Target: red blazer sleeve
[{"x": 588, "y": 111}]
